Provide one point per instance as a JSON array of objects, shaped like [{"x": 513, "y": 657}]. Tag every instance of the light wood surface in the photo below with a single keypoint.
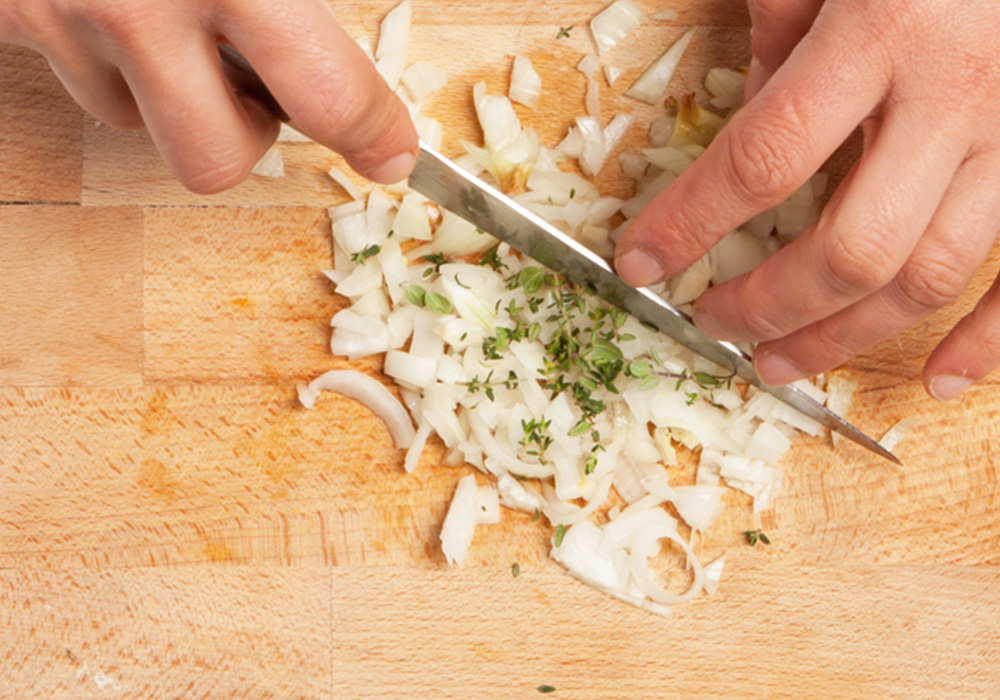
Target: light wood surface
[{"x": 173, "y": 524}]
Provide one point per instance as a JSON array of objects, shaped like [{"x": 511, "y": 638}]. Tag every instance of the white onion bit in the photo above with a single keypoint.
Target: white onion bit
[{"x": 368, "y": 391}]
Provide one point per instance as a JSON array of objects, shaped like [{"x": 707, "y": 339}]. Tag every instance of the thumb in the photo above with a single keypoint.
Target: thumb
[{"x": 778, "y": 27}]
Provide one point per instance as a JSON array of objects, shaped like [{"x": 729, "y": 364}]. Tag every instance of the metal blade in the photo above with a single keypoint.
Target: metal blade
[{"x": 442, "y": 181}]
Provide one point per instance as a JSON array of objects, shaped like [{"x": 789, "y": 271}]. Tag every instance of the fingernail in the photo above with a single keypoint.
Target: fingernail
[
  {"x": 639, "y": 269},
  {"x": 777, "y": 370},
  {"x": 945, "y": 387},
  {"x": 393, "y": 170},
  {"x": 756, "y": 77}
]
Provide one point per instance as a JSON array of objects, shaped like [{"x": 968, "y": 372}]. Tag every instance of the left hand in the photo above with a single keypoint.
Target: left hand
[{"x": 906, "y": 230}]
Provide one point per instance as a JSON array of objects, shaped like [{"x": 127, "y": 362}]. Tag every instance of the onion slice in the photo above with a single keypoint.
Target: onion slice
[
  {"x": 614, "y": 23},
  {"x": 368, "y": 391},
  {"x": 652, "y": 84}
]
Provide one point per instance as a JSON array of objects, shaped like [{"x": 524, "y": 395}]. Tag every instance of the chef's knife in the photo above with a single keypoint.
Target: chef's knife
[{"x": 442, "y": 181}]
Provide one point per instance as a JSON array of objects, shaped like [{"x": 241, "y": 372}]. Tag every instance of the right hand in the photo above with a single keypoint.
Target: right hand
[{"x": 129, "y": 62}]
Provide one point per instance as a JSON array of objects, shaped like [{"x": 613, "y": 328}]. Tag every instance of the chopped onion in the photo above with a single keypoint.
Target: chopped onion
[
  {"x": 394, "y": 37},
  {"x": 588, "y": 65},
  {"x": 614, "y": 23},
  {"x": 699, "y": 506},
  {"x": 593, "y": 99},
  {"x": 652, "y": 84},
  {"x": 726, "y": 87},
  {"x": 594, "y": 148},
  {"x": 416, "y": 448},
  {"x": 460, "y": 522},
  {"x": 713, "y": 574},
  {"x": 341, "y": 178},
  {"x": 611, "y": 74},
  {"x": 289, "y": 134},
  {"x": 897, "y": 432},
  {"x": 525, "y": 84},
  {"x": 271, "y": 164},
  {"x": 422, "y": 80},
  {"x": 614, "y": 133},
  {"x": 368, "y": 391},
  {"x": 840, "y": 395}
]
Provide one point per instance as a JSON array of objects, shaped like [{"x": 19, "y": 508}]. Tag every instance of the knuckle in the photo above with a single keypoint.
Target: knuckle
[
  {"x": 929, "y": 283},
  {"x": 856, "y": 264},
  {"x": 766, "y": 156}
]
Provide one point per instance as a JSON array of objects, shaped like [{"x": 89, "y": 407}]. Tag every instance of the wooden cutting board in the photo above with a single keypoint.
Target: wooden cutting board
[{"x": 173, "y": 524}]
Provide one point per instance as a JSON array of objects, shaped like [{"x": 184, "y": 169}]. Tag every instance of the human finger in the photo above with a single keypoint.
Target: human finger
[
  {"x": 969, "y": 352},
  {"x": 209, "y": 136},
  {"x": 859, "y": 244},
  {"x": 940, "y": 268},
  {"x": 768, "y": 150},
  {"x": 777, "y": 27},
  {"x": 326, "y": 84},
  {"x": 99, "y": 88}
]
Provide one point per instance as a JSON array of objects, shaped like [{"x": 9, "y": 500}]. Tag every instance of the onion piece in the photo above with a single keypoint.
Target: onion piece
[
  {"x": 460, "y": 522},
  {"x": 652, "y": 84},
  {"x": 594, "y": 150},
  {"x": 289, "y": 134},
  {"x": 341, "y": 178},
  {"x": 614, "y": 133},
  {"x": 642, "y": 545},
  {"x": 593, "y": 99},
  {"x": 840, "y": 395},
  {"x": 416, "y": 448},
  {"x": 612, "y": 74},
  {"x": 713, "y": 574},
  {"x": 588, "y": 65},
  {"x": 271, "y": 164},
  {"x": 525, "y": 83},
  {"x": 368, "y": 391},
  {"x": 614, "y": 23},
  {"x": 394, "y": 37},
  {"x": 897, "y": 432},
  {"x": 422, "y": 80}
]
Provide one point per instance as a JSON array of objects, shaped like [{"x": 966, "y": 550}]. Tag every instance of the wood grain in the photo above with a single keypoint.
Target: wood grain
[
  {"x": 72, "y": 301},
  {"x": 174, "y": 524},
  {"x": 41, "y": 144}
]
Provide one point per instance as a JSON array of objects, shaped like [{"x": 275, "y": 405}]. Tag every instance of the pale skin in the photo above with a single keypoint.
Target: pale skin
[{"x": 901, "y": 237}]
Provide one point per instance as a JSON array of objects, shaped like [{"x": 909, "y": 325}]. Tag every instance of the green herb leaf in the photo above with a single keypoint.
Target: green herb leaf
[
  {"x": 531, "y": 279},
  {"x": 564, "y": 32},
  {"x": 546, "y": 689},
  {"x": 515, "y": 570},
  {"x": 581, "y": 428},
  {"x": 438, "y": 304},
  {"x": 639, "y": 369},
  {"x": 416, "y": 295},
  {"x": 649, "y": 383},
  {"x": 560, "y": 533},
  {"x": 368, "y": 252}
]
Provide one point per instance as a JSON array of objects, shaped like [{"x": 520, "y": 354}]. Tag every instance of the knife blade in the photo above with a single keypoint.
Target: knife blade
[{"x": 442, "y": 181}]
